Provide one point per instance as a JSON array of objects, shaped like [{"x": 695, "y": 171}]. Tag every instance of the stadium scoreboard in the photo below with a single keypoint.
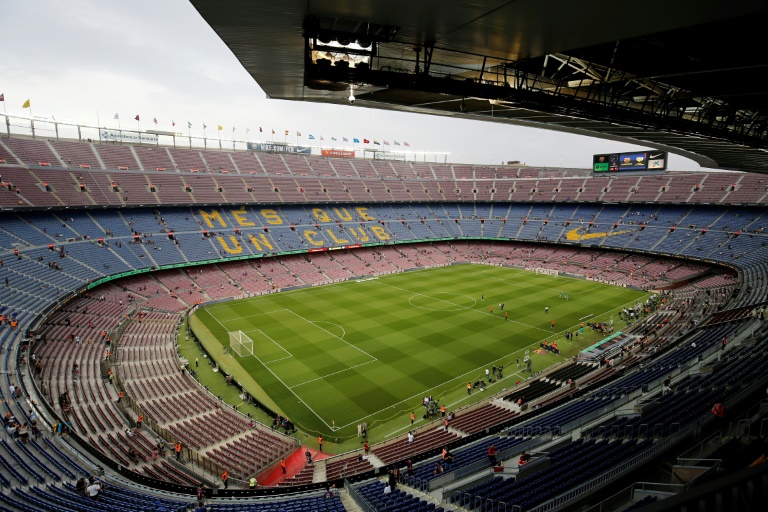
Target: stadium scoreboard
[{"x": 647, "y": 160}]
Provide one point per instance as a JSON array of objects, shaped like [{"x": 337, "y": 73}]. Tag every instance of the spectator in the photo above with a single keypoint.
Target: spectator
[
  {"x": 81, "y": 486},
  {"x": 94, "y": 489},
  {"x": 492, "y": 454}
]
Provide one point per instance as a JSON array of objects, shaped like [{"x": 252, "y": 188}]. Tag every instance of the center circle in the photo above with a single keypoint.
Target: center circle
[{"x": 442, "y": 301}]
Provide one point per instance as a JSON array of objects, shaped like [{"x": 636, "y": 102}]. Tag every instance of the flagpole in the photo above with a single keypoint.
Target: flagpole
[
  {"x": 138, "y": 128},
  {"x": 189, "y": 133}
]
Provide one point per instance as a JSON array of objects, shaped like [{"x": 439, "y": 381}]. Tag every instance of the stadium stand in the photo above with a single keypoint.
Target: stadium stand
[{"x": 700, "y": 237}]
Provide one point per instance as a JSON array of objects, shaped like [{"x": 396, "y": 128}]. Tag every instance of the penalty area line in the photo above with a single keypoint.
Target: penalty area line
[
  {"x": 334, "y": 373},
  {"x": 276, "y": 376}
]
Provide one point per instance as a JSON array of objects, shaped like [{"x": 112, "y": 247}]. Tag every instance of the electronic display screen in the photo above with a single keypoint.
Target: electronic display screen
[{"x": 630, "y": 161}]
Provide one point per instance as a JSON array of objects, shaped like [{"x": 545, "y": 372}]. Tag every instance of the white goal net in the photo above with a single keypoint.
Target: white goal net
[{"x": 240, "y": 343}]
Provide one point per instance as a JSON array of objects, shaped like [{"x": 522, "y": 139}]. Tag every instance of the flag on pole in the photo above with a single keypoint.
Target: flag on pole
[
  {"x": 356, "y": 140},
  {"x": 233, "y": 129},
  {"x": 173, "y": 123},
  {"x": 376, "y": 142},
  {"x": 311, "y": 137},
  {"x": 397, "y": 143},
  {"x": 117, "y": 116},
  {"x": 26, "y": 104},
  {"x": 286, "y": 132},
  {"x": 345, "y": 139},
  {"x": 204, "y": 126},
  {"x": 366, "y": 141},
  {"x": 298, "y": 134},
  {"x": 260, "y": 130},
  {"x": 333, "y": 139},
  {"x": 386, "y": 143},
  {"x": 407, "y": 144},
  {"x": 137, "y": 117},
  {"x": 154, "y": 120},
  {"x": 2, "y": 97},
  {"x": 321, "y": 138},
  {"x": 221, "y": 127},
  {"x": 189, "y": 124},
  {"x": 273, "y": 131}
]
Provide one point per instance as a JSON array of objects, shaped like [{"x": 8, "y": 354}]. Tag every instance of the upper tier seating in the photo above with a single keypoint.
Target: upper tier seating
[{"x": 276, "y": 178}]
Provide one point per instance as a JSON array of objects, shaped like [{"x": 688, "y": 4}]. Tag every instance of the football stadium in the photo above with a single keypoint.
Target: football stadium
[{"x": 269, "y": 320}]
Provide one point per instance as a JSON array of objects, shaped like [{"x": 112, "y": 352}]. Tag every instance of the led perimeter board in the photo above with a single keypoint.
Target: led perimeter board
[{"x": 647, "y": 160}]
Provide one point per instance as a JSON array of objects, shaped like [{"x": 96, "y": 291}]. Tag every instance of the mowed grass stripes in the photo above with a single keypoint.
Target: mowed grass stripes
[{"x": 368, "y": 350}]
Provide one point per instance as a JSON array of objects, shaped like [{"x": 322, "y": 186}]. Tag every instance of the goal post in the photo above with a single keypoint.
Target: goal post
[{"x": 240, "y": 343}]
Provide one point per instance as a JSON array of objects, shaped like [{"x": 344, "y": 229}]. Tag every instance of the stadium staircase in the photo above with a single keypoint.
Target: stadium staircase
[{"x": 136, "y": 157}]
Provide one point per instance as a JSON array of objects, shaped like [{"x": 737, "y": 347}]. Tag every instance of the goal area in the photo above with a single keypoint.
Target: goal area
[{"x": 240, "y": 343}]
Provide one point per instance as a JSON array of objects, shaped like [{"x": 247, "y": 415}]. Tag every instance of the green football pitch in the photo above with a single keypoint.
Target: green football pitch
[{"x": 369, "y": 350}]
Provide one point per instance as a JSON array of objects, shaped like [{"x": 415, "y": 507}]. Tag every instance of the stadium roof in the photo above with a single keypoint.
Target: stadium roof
[{"x": 685, "y": 76}]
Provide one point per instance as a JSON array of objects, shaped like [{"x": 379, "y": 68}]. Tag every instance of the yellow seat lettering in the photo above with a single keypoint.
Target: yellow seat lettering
[
  {"x": 379, "y": 232},
  {"x": 362, "y": 235},
  {"x": 259, "y": 241},
  {"x": 320, "y": 215},
  {"x": 364, "y": 213},
  {"x": 346, "y": 216},
  {"x": 208, "y": 218},
  {"x": 340, "y": 241},
  {"x": 272, "y": 217},
  {"x": 236, "y": 247},
  {"x": 240, "y": 217},
  {"x": 309, "y": 234}
]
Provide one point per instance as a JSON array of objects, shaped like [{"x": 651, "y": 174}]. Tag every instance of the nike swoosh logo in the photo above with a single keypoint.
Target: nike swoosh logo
[{"x": 574, "y": 235}]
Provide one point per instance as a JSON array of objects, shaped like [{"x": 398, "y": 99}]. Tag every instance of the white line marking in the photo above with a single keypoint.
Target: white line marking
[
  {"x": 334, "y": 373},
  {"x": 283, "y": 383},
  {"x": 253, "y": 316},
  {"x": 273, "y": 341},
  {"x": 329, "y": 332},
  {"x": 257, "y": 298},
  {"x": 278, "y": 359},
  {"x": 343, "y": 331},
  {"x": 459, "y": 306}
]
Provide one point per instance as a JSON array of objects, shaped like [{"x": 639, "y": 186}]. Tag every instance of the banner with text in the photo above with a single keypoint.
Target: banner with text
[
  {"x": 279, "y": 148},
  {"x": 121, "y": 136},
  {"x": 338, "y": 152}
]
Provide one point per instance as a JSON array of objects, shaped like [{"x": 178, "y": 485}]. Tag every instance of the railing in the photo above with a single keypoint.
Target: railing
[
  {"x": 632, "y": 463},
  {"x": 627, "y": 495},
  {"x": 699, "y": 462},
  {"x": 358, "y": 498},
  {"x": 613, "y": 473},
  {"x": 482, "y": 464}
]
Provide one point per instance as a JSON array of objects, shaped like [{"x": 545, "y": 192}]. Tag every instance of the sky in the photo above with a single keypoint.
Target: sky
[{"x": 87, "y": 60}]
